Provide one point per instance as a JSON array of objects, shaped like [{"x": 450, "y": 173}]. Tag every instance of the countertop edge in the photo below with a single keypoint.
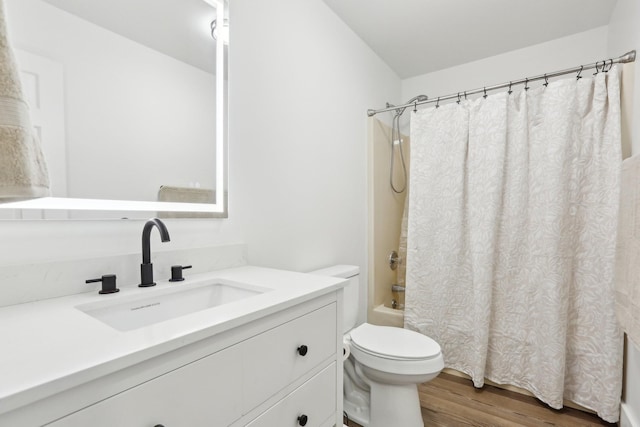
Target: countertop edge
[{"x": 13, "y": 401}]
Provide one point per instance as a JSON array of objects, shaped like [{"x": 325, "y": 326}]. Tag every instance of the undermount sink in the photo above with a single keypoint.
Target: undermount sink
[{"x": 164, "y": 304}]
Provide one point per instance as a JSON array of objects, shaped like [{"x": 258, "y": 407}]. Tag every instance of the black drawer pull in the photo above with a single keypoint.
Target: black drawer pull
[
  {"x": 302, "y": 351},
  {"x": 302, "y": 420},
  {"x": 158, "y": 425}
]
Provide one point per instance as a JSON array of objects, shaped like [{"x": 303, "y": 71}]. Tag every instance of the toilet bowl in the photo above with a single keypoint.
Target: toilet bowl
[{"x": 384, "y": 366}]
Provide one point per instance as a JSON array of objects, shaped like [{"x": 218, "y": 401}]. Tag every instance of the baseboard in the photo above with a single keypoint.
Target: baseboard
[{"x": 627, "y": 418}]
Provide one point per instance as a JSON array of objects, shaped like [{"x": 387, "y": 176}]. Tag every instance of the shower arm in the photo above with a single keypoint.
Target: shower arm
[
  {"x": 412, "y": 102},
  {"x": 627, "y": 57}
]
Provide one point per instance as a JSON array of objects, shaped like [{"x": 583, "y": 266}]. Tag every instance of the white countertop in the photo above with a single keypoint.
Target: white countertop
[{"x": 50, "y": 345}]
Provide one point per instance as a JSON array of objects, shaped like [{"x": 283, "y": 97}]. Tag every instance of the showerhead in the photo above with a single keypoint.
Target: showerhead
[
  {"x": 396, "y": 139},
  {"x": 419, "y": 98}
]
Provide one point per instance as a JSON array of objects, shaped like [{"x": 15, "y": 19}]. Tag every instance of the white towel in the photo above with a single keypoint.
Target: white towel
[
  {"x": 23, "y": 171},
  {"x": 628, "y": 251}
]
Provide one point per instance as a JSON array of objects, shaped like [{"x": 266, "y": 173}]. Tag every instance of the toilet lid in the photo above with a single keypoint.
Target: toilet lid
[{"x": 394, "y": 343}]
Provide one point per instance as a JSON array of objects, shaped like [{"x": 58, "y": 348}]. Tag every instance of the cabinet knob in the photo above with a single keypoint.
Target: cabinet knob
[
  {"x": 302, "y": 420},
  {"x": 302, "y": 351}
]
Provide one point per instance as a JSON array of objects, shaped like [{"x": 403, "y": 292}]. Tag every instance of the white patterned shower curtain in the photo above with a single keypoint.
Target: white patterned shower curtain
[{"x": 511, "y": 239}]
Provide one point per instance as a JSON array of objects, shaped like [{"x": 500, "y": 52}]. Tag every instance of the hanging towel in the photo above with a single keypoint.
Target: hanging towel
[
  {"x": 628, "y": 251},
  {"x": 23, "y": 171}
]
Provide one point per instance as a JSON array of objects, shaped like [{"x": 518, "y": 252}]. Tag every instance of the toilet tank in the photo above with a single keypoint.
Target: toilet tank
[{"x": 351, "y": 291}]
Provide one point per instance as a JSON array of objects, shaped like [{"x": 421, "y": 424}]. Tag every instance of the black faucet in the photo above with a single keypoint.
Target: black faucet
[{"x": 146, "y": 268}]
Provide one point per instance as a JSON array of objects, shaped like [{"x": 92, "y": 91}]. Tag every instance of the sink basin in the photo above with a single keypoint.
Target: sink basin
[{"x": 136, "y": 312}]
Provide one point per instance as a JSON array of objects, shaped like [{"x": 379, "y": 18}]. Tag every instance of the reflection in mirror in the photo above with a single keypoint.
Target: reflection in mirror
[{"x": 125, "y": 98}]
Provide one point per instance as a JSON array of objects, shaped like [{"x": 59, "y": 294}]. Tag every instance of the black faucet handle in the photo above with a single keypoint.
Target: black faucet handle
[
  {"x": 176, "y": 272},
  {"x": 108, "y": 284}
]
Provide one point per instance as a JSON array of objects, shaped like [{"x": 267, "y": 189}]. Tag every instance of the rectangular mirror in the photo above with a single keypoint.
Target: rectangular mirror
[{"x": 129, "y": 101}]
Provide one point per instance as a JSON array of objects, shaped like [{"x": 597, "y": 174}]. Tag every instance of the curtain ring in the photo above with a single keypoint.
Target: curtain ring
[
  {"x": 485, "y": 93},
  {"x": 415, "y": 106},
  {"x": 578, "y": 77},
  {"x": 510, "y": 91},
  {"x": 526, "y": 83},
  {"x": 438, "y": 103},
  {"x": 546, "y": 81},
  {"x": 458, "y": 98},
  {"x": 465, "y": 95},
  {"x": 597, "y": 70},
  {"x": 610, "y": 66}
]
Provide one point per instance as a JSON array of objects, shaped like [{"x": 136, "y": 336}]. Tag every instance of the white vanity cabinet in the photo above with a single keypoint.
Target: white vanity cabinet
[
  {"x": 203, "y": 393},
  {"x": 311, "y": 404},
  {"x": 277, "y": 357},
  {"x": 282, "y": 368}
]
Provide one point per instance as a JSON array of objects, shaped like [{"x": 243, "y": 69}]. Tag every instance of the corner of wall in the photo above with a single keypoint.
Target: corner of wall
[{"x": 627, "y": 418}]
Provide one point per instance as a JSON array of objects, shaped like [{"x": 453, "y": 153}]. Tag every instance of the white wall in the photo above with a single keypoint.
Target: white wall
[
  {"x": 129, "y": 109},
  {"x": 631, "y": 394},
  {"x": 624, "y": 35},
  {"x": 300, "y": 84},
  {"x": 299, "y": 133},
  {"x": 558, "y": 54},
  {"x": 566, "y": 52}
]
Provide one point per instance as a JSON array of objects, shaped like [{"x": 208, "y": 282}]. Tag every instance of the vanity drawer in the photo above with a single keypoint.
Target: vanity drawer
[
  {"x": 315, "y": 400},
  {"x": 203, "y": 393},
  {"x": 275, "y": 358}
]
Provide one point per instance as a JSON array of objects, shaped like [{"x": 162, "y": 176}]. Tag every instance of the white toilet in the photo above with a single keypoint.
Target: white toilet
[{"x": 386, "y": 364}]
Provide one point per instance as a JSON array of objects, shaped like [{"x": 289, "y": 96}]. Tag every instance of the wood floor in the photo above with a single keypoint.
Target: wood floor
[{"x": 451, "y": 401}]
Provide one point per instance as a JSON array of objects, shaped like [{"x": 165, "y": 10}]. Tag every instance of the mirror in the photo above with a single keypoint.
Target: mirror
[{"x": 129, "y": 101}]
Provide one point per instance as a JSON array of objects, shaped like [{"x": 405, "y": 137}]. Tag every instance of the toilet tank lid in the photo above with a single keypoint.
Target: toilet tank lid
[{"x": 344, "y": 271}]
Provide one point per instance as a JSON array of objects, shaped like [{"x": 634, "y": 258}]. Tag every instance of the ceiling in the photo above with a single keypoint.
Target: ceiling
[
  {"x": 413, "y": 36},
  {"x": 420, "y": 36},
  {"x": 178, "y": 28}
]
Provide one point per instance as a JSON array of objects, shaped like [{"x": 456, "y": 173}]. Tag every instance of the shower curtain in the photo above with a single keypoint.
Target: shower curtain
[{"x": 511, "y": 239}]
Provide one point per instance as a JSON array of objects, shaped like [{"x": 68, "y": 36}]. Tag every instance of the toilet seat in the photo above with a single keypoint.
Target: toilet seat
[
  {"x": 382, "y": 367},
  {"x": 395, "y": 350},
  {"x": 394, "y": 343}
]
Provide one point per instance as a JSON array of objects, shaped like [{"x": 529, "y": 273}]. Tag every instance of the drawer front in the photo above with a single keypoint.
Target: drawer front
[
  {"x": 315, "y": 400},
  {"x": 276, "y": 358},
  {"x": 206, "y": 392}
]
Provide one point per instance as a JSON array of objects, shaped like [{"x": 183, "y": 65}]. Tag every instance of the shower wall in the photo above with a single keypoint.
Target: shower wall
[{"x": 385, "y": 216}]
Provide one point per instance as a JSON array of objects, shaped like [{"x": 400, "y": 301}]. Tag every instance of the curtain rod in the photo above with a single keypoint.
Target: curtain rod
[{"x": 627, "y": 57}]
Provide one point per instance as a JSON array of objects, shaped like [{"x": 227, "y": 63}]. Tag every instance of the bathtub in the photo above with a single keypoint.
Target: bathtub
[{"x": 386, "y": 316}]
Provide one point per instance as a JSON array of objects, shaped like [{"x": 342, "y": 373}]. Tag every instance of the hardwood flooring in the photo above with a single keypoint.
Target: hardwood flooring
[{"x": 451, "y": 401}]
